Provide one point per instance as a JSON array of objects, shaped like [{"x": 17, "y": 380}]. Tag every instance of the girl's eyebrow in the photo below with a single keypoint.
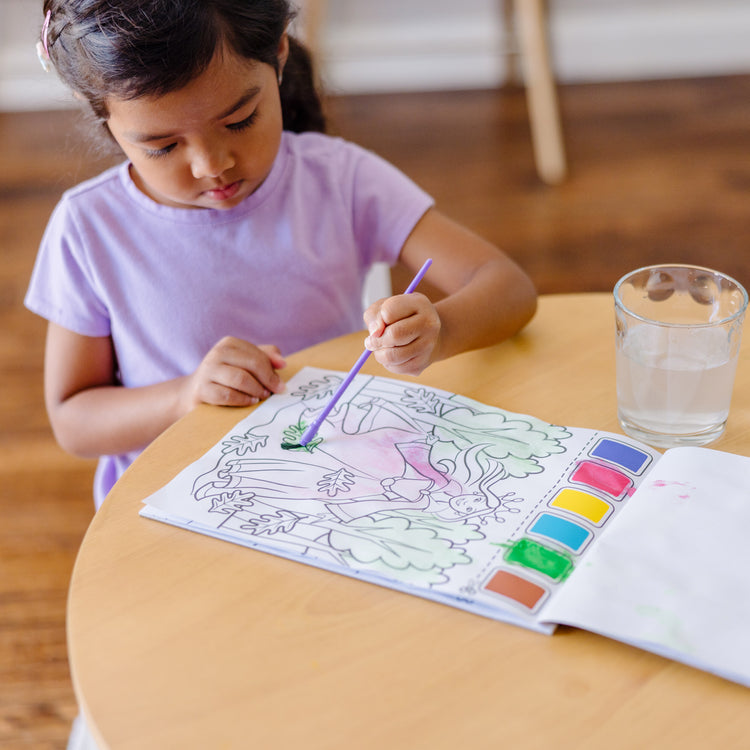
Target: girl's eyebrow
[{"x": 250, "y": 94}]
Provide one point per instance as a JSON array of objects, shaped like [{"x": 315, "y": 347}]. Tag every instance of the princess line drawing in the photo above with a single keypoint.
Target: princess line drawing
[{"x": 402, "y": 481}]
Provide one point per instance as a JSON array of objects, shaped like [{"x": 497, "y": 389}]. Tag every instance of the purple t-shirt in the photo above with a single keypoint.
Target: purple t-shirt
[{"x": 286, "y": 266}]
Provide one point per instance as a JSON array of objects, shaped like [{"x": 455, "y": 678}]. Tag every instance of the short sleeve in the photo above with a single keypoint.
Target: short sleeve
[
  {"x": 62, "y": 287},
  {"x": 386, "y": 206}
]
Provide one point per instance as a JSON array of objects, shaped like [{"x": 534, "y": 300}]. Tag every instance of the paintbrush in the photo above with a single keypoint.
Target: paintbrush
[{"x": 310, "y": 432}]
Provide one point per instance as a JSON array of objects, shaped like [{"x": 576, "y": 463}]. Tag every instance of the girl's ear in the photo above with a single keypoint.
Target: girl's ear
[{"x": 283, "y": 53}]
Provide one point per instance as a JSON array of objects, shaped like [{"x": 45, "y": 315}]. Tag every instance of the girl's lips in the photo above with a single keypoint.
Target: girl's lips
[{"x": 224, "y": 193}]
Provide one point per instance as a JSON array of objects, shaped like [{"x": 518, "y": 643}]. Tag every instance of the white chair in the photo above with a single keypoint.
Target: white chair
[
  {"x": 541, "y": 92},
  {"x": 377, "y": 284},
  {"x": 528, "y": 21}
]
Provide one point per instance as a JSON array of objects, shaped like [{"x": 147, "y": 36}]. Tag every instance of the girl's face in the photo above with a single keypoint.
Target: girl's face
[{"x": 209, "y": 144}]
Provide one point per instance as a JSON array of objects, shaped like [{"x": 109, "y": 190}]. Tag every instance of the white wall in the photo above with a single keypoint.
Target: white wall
[
  {"x": 401, "y": 45},
  {"x": 23, "y": 83},
  {"x": 437, "y": 44}
]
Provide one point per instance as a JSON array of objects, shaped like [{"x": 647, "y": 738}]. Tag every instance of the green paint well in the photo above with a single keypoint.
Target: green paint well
[{"x": 556, "y": 565}]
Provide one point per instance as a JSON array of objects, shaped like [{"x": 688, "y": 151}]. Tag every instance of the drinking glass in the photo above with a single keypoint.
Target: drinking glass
[{"x": 678, "y": 331}]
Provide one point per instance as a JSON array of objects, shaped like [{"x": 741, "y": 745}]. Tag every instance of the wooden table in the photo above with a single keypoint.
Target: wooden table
[{"x": 180, "y": 641}]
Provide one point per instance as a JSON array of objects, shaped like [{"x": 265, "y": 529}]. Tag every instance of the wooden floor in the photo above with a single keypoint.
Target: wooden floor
[{"x": 660, "y": 171}]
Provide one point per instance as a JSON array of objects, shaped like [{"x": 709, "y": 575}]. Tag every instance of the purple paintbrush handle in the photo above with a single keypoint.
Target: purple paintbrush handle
[{"x": 309, "y": 433}]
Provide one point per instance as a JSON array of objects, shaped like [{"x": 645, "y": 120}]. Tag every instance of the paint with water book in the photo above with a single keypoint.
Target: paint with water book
[{"x": 500, "y": 514}]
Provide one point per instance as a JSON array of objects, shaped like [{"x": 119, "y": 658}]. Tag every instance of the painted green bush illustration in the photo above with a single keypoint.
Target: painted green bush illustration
[{"x": 389, "y": 542}]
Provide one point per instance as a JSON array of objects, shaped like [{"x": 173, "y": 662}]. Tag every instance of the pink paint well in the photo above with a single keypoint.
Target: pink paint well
[{"x": 602, "y": 478}]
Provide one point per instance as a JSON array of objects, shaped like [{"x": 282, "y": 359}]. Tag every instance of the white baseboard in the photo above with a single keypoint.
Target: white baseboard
[
  {"x": 597, "y": 41},
  {"x": 26, "y": 92}
]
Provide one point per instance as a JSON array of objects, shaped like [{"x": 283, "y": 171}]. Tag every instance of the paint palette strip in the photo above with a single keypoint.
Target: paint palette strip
[
  {"x": 603, "y": 478},
  {"x": 516, "y": 588},
  {"x": 561, "y": 530},
  {"x": 582, "y": 504},
  {"x": 621, "y": 454}
]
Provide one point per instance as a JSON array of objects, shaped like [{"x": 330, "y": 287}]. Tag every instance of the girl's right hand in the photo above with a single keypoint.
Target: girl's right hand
[
  {"x": 92, "y": 414},
  {"x": 234, "y": 373}
]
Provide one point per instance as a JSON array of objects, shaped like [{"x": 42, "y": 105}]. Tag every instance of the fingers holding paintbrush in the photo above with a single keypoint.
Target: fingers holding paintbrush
[{"x": 404, "y": 333}]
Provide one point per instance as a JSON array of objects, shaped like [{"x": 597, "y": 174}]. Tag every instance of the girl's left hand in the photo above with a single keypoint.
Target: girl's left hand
[{"x": 404, "y": 332}]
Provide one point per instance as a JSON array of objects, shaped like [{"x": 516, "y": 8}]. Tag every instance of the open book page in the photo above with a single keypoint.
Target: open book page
[
  {"x": 673, "y": 574},
  {"x": 413, "y": 488}
]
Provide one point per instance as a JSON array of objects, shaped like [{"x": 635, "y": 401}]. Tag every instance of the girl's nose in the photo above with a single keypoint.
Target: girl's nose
[{"x": 210, "y": 160}]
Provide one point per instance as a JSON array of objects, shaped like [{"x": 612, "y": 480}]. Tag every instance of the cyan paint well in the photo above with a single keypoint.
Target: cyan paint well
[
  {"x": 621, "y": 454},
  {"x": 567, "y": 533}
]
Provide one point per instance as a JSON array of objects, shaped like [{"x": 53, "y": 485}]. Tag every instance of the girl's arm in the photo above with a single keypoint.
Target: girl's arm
[
  {"x": 488, "y": 298},
  {"x": 93, "y": 415}
]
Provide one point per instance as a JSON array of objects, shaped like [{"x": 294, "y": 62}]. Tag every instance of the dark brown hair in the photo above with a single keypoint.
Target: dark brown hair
[{"x": 126, "y": 50}]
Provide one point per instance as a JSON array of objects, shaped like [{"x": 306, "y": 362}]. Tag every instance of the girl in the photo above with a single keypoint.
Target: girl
[{"x": 234, "y": 233}]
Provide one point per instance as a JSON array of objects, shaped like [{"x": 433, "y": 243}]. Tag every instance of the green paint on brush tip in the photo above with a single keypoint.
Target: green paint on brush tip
[
  {"x": 292, "y": 436},
  {"x": 557, "y": 565}
]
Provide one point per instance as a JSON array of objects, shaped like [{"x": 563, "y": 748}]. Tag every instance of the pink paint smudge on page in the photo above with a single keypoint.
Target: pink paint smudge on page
[{"x": 685, "y": 495}]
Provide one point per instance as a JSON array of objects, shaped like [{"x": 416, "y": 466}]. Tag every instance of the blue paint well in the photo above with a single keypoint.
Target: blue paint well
[
  {"x": 621, "y": 454},
  {"x": 570, "y": 534}
]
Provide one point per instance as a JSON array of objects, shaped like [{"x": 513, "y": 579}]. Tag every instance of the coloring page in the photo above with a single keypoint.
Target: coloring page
[{"x": 413, "y": 488}]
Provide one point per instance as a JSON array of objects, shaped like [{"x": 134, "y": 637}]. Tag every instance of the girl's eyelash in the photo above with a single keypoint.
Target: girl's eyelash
[
  {"x": 157, "y": 152},
  {"x": 235, "y": 127},
  {"x": 238, "y": 127}
]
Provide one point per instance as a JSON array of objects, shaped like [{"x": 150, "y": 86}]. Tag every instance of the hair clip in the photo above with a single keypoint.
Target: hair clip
[{"x": 42, "y": 47}]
